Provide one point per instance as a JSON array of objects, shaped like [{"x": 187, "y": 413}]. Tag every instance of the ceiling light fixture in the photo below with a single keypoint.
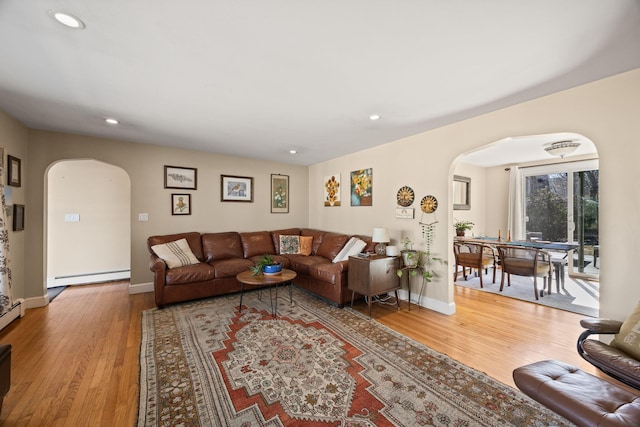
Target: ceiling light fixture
[
  {"x": 111, "y": 121},
  {"x": 562, "y": 148},
  {"x": 292, "y": 151},
  {"x": 374, "y": 117},
  {"x": 66, "y": 19}
]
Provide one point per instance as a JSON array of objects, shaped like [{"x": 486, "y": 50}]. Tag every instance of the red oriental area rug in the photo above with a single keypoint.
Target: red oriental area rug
[{"x": 205, "y": 364}]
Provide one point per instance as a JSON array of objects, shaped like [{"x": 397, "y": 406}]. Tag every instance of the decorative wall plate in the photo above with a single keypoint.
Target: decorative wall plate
[
  {"x": 429, "y": 204},
  {"x": 405, "y": 196}
]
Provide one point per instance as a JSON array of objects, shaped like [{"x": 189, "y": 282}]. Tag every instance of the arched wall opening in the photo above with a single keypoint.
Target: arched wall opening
[
  {"x": 490, "y": 173},
  {"x": 88, "y": 230}
]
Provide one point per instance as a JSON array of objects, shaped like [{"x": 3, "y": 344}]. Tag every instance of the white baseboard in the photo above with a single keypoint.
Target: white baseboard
[
  {"x": 140, "y": 288},
  {"x": 87, "y": 278},
  {"x": 16, "y": 310},
  {"x": 430, "y": 303}
]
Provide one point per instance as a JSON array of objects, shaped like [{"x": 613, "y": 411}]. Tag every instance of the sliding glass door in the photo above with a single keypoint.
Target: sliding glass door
[{"x": 561, "y": 205}]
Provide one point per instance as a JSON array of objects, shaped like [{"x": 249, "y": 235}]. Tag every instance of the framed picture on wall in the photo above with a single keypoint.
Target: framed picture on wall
[
  {"x": 180, "y": 177},
  {"x": 15, "y": 171},
  {"x": 181, "y": 204},
  {"x": 18, "y": 217},
  {"x": 279, "y": 193},
  {"x": 236, "y": 188},
  {"x": 362, "y": 187}
]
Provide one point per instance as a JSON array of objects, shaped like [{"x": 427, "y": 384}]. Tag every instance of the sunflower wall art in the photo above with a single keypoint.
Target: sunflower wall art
[
  {"x": 332, "y": 190},
  {"x": 362, "y": 187}
]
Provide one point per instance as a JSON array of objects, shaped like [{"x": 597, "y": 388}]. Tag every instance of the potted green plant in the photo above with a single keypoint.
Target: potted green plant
[
  {"x": 266, "y": 265},
  {"x": 462, "y": 226},
  {"x": 424, "y": 261},
  {"x": 410, "y": 257}
]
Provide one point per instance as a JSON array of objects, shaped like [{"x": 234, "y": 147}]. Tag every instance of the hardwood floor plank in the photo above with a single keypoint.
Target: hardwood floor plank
[{"x": 75, "y": 362}]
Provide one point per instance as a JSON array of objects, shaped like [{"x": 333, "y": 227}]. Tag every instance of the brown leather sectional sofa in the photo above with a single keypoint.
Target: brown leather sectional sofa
[{"x": 223, "y": 255}]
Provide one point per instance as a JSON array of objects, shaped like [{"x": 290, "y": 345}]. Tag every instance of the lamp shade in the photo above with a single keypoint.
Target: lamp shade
[
  {"x": 562, "y": 148},
  {"x": 380, "y": 235}
]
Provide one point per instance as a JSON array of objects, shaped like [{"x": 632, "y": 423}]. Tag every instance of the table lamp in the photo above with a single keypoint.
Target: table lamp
[{"x": 381, "y": 237}]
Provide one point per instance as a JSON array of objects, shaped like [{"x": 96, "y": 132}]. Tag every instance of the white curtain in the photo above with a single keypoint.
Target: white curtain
[
  {"x": 6, "y": 297},
  {"x": 516, "y": 203}
]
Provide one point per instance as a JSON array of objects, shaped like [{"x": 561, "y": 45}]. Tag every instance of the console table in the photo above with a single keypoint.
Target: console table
[{"x": 373, "y": 275}]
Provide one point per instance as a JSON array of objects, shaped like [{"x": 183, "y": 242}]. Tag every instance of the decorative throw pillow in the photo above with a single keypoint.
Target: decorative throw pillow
[
  {"x": 175, "y": 254},
  {"x": 289, "y": 244},
  {"x": 353, "y": 247},
  {"x": 306, "y": 245},
  {"x": 628, "y": 339}
]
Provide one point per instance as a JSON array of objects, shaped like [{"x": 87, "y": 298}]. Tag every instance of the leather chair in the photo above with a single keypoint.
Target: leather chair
[
  {"x": 5, "y": 371},
  {"x": 524, "y": 261},
  {"x": 474, "y": 255},
  {"x": 610, "y": 360}
]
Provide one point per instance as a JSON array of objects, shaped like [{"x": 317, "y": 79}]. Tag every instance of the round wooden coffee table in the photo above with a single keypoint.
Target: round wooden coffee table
[{"x": 263, "y": 281}]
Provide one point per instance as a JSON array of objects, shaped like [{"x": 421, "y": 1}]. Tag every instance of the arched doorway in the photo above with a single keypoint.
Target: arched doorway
[
  {"x": 556, "y": 200},
  {"x": 88, "y": 223}
]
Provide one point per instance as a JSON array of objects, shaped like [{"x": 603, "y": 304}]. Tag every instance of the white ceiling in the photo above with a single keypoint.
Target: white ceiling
[{"x": 260, "y": 77}]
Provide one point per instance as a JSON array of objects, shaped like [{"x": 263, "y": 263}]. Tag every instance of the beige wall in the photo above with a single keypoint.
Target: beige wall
[
  {"x": 100, "y": 241},
  {"x": 144, "y": 164},
  {"x": 605, "y": 111},
  {"x": 478, "y": 212}
]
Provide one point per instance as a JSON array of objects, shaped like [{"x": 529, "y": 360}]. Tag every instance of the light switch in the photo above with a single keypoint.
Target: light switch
[
  {"x": 143, "y": 217},
  {"x": 72, "y": 217}
]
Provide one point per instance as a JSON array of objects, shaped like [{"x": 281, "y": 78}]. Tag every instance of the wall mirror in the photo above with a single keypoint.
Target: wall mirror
[{"x": 461, "y": 192}]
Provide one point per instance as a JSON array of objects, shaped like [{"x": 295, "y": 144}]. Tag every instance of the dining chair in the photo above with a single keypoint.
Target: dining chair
[
  {"x": 524, "y": 261},
  {"x": 474, "y": 255}
]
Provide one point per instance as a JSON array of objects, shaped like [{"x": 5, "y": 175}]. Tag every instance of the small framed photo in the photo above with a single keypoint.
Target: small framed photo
[
  {"x": 18, "y": 217},
  {"x": 236, "y": 188},
  {"x": 181, "y": 204},
  {"x": 15, "y": 171},
  {"x": 180, "y": 177},
  {"x": 279, "y": 193}
]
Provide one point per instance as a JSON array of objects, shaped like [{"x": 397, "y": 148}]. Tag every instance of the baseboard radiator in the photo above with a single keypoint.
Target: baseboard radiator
[{"x": 17, "y": 310}]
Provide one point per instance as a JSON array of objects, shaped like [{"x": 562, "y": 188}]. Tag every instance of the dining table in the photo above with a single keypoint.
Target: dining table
[{"x": 558, "y": 262}]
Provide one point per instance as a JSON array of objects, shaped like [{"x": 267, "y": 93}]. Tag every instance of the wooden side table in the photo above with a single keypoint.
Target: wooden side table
[{"x": 372, "y": 276}]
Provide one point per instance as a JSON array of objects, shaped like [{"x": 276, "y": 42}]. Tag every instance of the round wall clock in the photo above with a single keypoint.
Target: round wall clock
[
  {"x": 429, "y": 204},
  {"x": 405, "y": 196}
]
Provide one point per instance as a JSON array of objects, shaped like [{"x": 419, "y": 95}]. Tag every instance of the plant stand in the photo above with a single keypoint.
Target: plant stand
[{"x": 407, "y": 271}]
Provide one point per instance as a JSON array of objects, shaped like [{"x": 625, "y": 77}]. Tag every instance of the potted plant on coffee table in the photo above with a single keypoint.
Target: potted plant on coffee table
[{"x": 267, "y": 266}]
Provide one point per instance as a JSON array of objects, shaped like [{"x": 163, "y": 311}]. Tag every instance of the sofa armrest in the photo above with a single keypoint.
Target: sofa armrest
[
  {"x": 601, "y": 326},
  {"x": 157, "y": 265}
]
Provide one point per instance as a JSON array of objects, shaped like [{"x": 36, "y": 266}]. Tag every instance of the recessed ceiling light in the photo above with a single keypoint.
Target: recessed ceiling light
[
  {"x": 374, "y": 117},
  {"x": 66, "y": 19},
  {"x": 292, "y": 151},
  {"x": 111, "y": 121}
]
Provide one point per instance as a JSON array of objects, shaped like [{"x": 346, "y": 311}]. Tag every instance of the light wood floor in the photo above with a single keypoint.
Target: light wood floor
[{"x": 75, "y": 362}]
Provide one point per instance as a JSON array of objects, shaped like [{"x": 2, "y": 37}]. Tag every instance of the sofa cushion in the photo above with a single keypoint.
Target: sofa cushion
[
  {"x": 331, "y": 245},
  {"x": 230, "y": 267},
  {"x": 300, "y": 263},
  {"x": 190, "y": 274},
  {"x": 193, "y": 238},
  {"x": 175, "y": 254},
  {"x": 317, "y": 237},
  {"x": 628, "y": 339},
  {"x": 306, "y": 245},
  {"x": 371, "y": 246},
  {"x": 224, "y": 245},
  {"x": 289, "y": 244},
  {"x": 353, "y": 247},
  {"x": 275, "y": 236},
  {"x": 256, "y": 243}
]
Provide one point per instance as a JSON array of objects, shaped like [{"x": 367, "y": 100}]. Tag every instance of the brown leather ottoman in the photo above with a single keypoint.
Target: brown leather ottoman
[{"x": 578, "y": 396}]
